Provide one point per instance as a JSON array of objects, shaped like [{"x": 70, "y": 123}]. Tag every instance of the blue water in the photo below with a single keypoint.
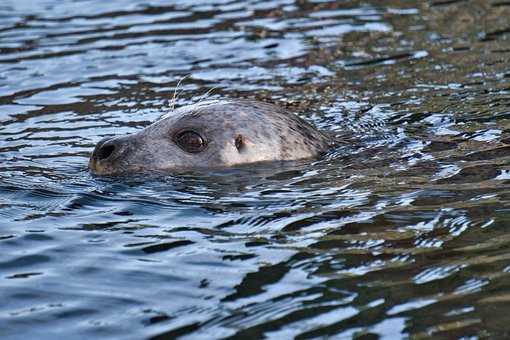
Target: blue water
[{"x": 399, "y": 232}]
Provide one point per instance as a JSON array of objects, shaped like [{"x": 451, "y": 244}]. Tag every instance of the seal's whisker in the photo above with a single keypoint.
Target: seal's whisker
[
  {"x": 206, "y": 95},
  {"x": 176, "y": 96}
]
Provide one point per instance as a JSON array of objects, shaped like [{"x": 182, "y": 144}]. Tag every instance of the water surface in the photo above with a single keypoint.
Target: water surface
[{"x": 400, "y": 232}]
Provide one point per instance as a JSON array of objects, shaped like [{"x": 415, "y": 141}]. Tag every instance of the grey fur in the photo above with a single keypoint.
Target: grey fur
[{"x": 268, "y": 132}]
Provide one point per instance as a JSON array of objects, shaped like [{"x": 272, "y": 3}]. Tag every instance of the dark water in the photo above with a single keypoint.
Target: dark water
[{"x": 401, "y": 232}]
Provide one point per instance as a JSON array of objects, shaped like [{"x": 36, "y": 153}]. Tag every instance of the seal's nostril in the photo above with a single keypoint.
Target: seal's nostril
[{"x": 105, "y": 151}]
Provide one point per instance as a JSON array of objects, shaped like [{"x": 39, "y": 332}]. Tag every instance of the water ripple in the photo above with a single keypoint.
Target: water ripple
[{"x": 400, "y": 231}]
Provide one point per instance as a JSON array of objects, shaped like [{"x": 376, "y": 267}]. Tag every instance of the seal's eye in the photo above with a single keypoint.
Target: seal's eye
[{"x": 190, "y": 141}]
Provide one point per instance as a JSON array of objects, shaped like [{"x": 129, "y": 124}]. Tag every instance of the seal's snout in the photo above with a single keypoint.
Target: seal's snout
[{"x": 105, "y": 153}]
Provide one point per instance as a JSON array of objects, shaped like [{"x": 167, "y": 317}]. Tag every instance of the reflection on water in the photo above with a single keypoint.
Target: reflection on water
[{"x": 401, "y": 231}]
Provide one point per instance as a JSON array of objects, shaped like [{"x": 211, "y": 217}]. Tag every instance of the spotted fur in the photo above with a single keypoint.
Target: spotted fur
[{"x": 267, "y": 133}]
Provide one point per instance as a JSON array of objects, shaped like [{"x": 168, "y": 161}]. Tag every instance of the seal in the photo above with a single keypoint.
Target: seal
[{"x": 211, "y": 134}]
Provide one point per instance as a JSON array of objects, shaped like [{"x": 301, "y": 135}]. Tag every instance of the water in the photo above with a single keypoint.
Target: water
[{"x": 401, "y": 231}]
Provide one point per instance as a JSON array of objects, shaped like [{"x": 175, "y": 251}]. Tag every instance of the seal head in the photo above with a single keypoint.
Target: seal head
[{"x": 212, "y": 134}]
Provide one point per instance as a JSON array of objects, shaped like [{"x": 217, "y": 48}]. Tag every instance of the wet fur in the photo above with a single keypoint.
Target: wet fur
[{"x": 267, "y": 133}]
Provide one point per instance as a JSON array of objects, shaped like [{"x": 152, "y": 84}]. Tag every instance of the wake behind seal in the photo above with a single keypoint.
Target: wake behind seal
[{"x": 211, "y": 134}]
